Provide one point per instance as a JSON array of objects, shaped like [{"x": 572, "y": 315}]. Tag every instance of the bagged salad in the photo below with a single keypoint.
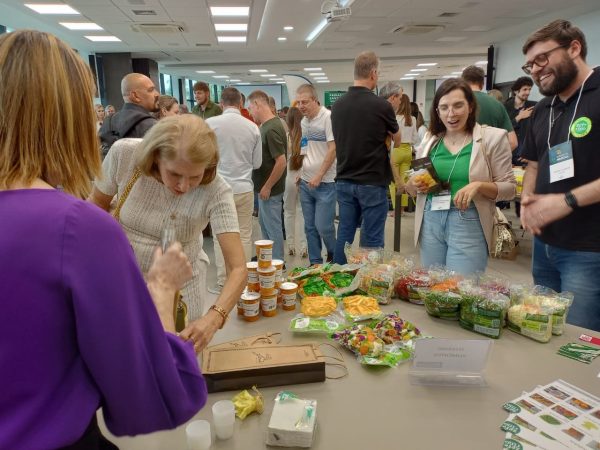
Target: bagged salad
[
  {"x": 406, "y": 286},
  {"x": 482, "y": 311},
  {"x": 363, "y": 255},
  {"x": 361, "y": 307},
  {"x": 444, "y": 304},
  {"x": 377, "y": 281}
]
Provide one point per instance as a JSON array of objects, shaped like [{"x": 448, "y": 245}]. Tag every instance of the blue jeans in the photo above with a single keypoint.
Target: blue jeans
[
  {"x": 318, "y": 209},
  {"x": 453, "y": 238},
  {"x": 573, "y": 271},
  {"x": 356, "y": 201},
  {"x": 269, "y": 218}
]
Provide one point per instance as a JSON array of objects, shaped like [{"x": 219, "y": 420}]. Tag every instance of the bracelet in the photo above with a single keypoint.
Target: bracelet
[
  {"x": 224, "y": 314},
  {"x": 571, "y": 201}
]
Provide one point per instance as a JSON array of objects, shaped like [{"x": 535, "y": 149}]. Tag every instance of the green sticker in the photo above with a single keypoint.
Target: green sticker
[
  {"x": 512, "y": 408},
  {"x": 581, "y": 127},
  {"x": 511, "y": 427},
  {"x": 511, "y": 444}
]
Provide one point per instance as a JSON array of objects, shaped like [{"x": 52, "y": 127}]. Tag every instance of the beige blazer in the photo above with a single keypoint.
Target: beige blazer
[{"x": 494, "y": 142}]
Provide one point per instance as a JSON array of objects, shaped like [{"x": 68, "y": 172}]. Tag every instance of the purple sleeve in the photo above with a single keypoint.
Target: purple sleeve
[{"x": 148, "y": 379}]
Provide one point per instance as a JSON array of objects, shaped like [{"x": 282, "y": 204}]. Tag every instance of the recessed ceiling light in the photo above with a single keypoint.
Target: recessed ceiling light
[
  {"x": 234, "y": 81},
  {"x": 288, "y": 28},
  {"x": 448, "y": 76},
  {"x": 314, "y": 33},
  {"x": 426, "y": 64},
  {"x": 418, "y": 70},
  {"x": 258, "y": 70},
  {"x": 220, "y": 76},
  {"x": 243, "y": 84},
  {"x": 231, "y": 27},
  {"x": 86, "y": 26},
  {"x": 231, "y": 38},
  {"x": 205, "y": 71},
  {"x": 456, "y": 73},
  {"x": 281, "y": 82},
  {"x": 230, "y": 10},
  {"x": 103, "y": 38},
  {"x": 52, "y": 8},
  {"x": 313, "y": 69},
  {"x": 268, "y": 75},
  {"x": 282, "y": 38},
  {"x": 317, "y": 74},
  {"x": 321, "y": 78},
  {"x": 481, "y": 63},
  {"x": 276, "y": 79},
  {"x": 323, "y": 81},
  {"x": 410, "y": 74},
  {"x": 407, "y": 78}
]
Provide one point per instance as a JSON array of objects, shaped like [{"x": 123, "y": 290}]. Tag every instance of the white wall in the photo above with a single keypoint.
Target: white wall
[{"x": 510, "y": 56}]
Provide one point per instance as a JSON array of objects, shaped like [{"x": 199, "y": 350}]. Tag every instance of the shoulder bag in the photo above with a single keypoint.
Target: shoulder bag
[{"x": 503, "y": 237}]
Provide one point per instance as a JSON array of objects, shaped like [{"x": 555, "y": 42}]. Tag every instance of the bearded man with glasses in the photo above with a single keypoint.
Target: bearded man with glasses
[{"x": 561, "y": 189}]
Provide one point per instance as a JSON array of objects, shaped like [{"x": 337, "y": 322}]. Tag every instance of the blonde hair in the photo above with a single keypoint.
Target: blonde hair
[
  {"x": 187, "y": 133},
  {"x": 50, "y": 136}
]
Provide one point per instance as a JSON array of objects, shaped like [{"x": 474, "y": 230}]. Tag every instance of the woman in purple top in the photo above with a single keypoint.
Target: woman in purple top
[{"x": 80, "y": 329}]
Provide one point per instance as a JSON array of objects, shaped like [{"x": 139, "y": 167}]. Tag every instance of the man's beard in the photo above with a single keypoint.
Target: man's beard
[{"x": 564, "y": 74}]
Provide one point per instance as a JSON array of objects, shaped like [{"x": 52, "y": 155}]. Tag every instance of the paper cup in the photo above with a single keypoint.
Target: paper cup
[
  {"x": 224, "y": 418},
  {"x": 198, "y": 435}
]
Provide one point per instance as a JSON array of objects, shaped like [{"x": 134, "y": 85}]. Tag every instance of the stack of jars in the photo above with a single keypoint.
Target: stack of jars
[{"x": 266, "y": 288}]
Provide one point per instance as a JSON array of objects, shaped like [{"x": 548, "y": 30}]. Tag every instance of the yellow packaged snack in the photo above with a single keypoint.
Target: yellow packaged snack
[
  {"x": 318, "y": 306},
  {"x": 360, "y": 307}
]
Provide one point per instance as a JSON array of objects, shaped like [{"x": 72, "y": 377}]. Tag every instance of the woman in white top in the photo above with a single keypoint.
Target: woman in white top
[
  {"x": 291, "y": 204},
  {"x": 421, "y": 128},
  {"x": 172, "y": 181},
  {"x": 401, "y": 155}
]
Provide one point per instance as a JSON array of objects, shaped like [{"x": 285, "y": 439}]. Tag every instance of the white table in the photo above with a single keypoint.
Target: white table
[{"x": 376, "y": 408}]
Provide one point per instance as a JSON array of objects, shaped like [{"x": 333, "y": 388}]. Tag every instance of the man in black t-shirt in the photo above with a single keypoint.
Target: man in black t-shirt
[
  {"x": 561, "y": 189},
  {"x": 361, "y": 123}
]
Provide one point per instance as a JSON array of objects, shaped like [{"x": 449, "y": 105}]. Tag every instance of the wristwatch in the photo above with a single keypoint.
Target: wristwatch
[{"x": 571, "y": 201}]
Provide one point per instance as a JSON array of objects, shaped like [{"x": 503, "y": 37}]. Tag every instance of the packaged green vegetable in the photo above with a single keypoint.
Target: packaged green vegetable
[
  {"x": 559, "y": 302},
  {"x": 533, "y": 321},
  {"x": 482, "y": 311},
  {"x": 320, "y": 325},
  {"x": 442, "y": 304}
]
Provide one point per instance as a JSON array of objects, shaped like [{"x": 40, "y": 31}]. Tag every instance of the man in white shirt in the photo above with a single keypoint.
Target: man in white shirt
[
  {"x": 317, "y": 176},
  {"x": 240, "y": 151}
]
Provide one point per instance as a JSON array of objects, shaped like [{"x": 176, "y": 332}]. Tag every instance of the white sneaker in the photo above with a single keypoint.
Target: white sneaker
[{"x": 215, "y": 289}]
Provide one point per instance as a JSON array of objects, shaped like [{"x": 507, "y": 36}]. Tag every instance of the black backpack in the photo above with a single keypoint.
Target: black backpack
[{"x": 110, "y": 136}]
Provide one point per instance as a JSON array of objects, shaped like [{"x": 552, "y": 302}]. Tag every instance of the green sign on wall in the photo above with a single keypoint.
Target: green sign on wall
[{"x": 332, "y": 96}]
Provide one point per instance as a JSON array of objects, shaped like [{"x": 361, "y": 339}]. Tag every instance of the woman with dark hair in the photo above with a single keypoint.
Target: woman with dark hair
[
  {"x": 454, "y": 227},
  {"x": 80, "y": 328},
  {"x": 291, "y": 203},
  {"x": 421, "y": 128}
]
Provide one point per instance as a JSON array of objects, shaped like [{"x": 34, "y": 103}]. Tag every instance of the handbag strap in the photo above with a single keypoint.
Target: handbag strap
[
  {"x": 339, "y": 362},
  {"x": 117, "y": 212}
]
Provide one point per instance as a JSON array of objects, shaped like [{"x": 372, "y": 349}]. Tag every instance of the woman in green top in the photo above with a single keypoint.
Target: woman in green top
[{"x": 454, "y": 227}]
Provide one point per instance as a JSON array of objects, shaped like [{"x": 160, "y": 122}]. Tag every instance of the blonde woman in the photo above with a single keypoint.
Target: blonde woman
[
  {"x": 178, "y": 187},
  {"x": 291, "y": 198},
  {"x": 80, "y": 329},
  {"x": 402, "y": 152}
]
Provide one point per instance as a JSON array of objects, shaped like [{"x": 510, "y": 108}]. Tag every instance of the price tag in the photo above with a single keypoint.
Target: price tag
[{"x": 452, "y": 354}]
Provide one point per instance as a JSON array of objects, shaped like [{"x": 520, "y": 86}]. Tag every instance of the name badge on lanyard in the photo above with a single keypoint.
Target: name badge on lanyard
[
  {"x": 303, "y": 145},
  {"x": 441, "y": 201},
  {"x": 562, "y": 166}
]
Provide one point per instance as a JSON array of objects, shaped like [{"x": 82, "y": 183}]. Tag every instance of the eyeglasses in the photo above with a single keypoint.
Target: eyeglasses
[
  {"x": 541, "y": 60},
  {"x": 458, "y": 108}
]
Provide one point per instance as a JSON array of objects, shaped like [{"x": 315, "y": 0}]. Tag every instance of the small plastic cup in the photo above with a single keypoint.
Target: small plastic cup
[
  {"x": 198, "y": 435},
  {"x": 224, "y": 418}
]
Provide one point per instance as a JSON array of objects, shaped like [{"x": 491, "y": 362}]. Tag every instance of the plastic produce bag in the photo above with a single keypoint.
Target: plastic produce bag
[
  {"x": 361, "y": 307},
  {"x": 377, "y": 280},
  {"x": 444, "y": 304},
  {"x": 482, "y": 311},
  {"x": 363, "y": 255},
  {"x": 245, "y": 403},
  {"x": 317, "y": 325}
]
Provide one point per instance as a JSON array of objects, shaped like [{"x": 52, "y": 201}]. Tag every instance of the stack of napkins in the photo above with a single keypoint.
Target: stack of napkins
[
  {"x": 293, "y": 421},
  {"x": 557, "y": 416}
]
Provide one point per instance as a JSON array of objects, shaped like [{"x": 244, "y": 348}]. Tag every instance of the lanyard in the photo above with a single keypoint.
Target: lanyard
[
  {"x": 551, "y": 115},
  {"x": 455, "y": 159}
]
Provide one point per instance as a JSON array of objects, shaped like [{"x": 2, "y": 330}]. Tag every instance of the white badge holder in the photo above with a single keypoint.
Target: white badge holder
[{"x": 450, "y": 362}]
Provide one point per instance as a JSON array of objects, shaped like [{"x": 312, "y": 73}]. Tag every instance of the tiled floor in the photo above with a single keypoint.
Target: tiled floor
[{"x": 518, "y": 270}]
